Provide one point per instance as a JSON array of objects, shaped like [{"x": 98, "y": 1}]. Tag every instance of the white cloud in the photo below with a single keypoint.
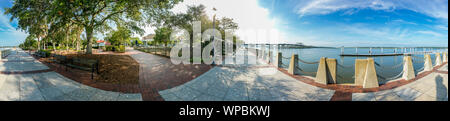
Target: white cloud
[
  {"x": 430, "y": 33},
  {"x": 433, "y": 8},
  {"x": 404, "y": 22},
  {"x": 9, "y": 34},
  {"x": 247, "y": 13},
  {"x": 442, "y": 27},
  {"x": 310, "y": 7}
]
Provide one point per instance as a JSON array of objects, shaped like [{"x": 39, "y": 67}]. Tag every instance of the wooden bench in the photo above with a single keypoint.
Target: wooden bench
[
  {"x": 60, "y": 59},
  {"x": 41, "y": 54},
  {"x": 84, "y": 64},
  {"x": 4, "y": 53}
]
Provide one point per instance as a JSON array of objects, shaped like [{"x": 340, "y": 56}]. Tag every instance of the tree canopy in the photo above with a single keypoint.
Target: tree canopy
[
  {"x": 119, "y": 36},
  {"x": 93, "y": 16}
]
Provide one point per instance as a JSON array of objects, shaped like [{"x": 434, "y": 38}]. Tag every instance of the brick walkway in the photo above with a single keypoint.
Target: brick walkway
[
  {"x": 22, "y": 78},
  {"x": 247, "y": 82},
  {"x": 430, "y": 86},
  {"x": 267, "y": 83},
  {"x": 157, "y": 73}
]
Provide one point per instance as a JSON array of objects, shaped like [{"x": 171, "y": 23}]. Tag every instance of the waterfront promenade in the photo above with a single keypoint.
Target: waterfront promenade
[
  {"x": 261, "y": 82},
  {"x": 22, "y": 78}
]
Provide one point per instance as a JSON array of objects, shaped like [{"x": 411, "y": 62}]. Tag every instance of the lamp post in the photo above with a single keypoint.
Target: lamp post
[{"x": 214, "y": 31}]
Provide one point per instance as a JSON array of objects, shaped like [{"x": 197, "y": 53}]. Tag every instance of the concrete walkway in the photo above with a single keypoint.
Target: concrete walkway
[
  {"x": 39, "y": 85},
  {"x": 433, "y": 87},
  {"x": 261, "y": 83},
  {"x": 248, "y": 82},
  {"x": 159, "y": 73}
]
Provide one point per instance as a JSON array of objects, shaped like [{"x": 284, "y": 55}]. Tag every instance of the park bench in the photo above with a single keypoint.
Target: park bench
[
  {"x": 4, "y": 53},
  {"x": 41, "y": 54},
  {"x": 84, "y": 64},
  {"x": 60, "y": 59}
]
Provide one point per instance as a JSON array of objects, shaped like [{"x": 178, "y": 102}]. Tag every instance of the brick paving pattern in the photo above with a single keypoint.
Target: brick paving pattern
[{"x": 22, "y": 78}]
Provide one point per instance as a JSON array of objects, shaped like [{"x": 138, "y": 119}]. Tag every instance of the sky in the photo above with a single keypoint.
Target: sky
[{"x": 335, "y": 23}]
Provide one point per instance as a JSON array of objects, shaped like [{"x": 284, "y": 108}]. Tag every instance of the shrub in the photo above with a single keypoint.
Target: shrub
[
  {"x": 121, "y": 49},
  {"x": 47, "y": 52},
  {"x": 109, "y": 48}
]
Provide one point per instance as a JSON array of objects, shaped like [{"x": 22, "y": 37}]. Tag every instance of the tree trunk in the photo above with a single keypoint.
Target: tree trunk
[
  {"x": 54, "y": 46},
  {"x": 39, "y": 43},
  {"x": 89, "y": 34},
  {"x": 44, "y": 44},
  {"x": 78, "y": 44}
]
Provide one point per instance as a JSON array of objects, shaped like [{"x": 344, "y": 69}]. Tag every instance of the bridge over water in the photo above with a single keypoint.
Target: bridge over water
[{"x": 397, "y": 52}]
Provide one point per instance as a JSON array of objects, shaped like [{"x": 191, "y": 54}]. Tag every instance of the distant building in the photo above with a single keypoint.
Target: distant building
[
  {"x": 148, "y": 38},
  {"x": 101, "y": 43}
]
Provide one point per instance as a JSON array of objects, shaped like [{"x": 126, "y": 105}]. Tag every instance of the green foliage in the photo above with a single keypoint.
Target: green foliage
[
  {"x": 133, "y": 41},
  {"x": 162, "y": 35},
  {"x": 32, "y": 16},
  {"x": 30, "y": 43},
  {"x": 109, "y": 48},
  {"x": 94, "y": 16},
  {"x": 47, "y": 52},
  {"x": 120, "y": 36},
  {"x": 121, "y": 48},
  {"x": 198, "y": 13}
]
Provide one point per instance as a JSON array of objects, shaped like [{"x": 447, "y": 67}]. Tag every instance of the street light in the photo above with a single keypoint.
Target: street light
[{"x": 214, "y": 31}]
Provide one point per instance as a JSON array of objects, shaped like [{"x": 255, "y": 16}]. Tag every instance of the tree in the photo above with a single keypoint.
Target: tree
[
  {"x": 162, "y": 35},
  {"x": 30, "y": 42},
  {"x": 135, "y": 40},
  {"x": 32, "y": 17},
  {"x": 93, "y": 16},
  {"x": 120, "y": 36},
  {"x": 198, "y": 13},
  {"x": 97, "y": 15}
]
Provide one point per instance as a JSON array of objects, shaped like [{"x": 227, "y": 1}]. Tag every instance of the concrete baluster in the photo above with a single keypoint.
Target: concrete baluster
[
  {"x": 321, "y": 76},
  {"x": 293, "y": 65},
  {"x": 428, "y": 64},
  {"x": 365, "y": 73},
  {"x": 408, "y": 68},
  {"x": 360, "y": 71},
  {"x": 332, "y": 70},
  {"x": 438, "y": 59},
  {"x": 326, "y": 73},
  {"x": 257, "y": 53},
  {"x": 370, "y": 79},
  {"x": 279, "y": 60},
  {"x": 444, "y": 57}
]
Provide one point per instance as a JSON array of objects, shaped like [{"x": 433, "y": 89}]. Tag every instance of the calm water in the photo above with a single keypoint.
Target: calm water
[{"x": 389, "y": 64}]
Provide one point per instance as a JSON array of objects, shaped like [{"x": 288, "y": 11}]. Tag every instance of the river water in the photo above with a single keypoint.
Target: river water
[{"x": 389, "y": 66}]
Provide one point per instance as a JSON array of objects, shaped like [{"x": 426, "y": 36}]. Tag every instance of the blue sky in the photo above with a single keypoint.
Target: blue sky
[
  {"x": 9, "y": 35},
  {"x": 319, "y": 22},
  {"x": 361, "y": 22}
]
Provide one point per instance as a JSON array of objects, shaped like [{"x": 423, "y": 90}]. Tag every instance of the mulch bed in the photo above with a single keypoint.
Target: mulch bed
[{"x": 114, "y": 69}]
